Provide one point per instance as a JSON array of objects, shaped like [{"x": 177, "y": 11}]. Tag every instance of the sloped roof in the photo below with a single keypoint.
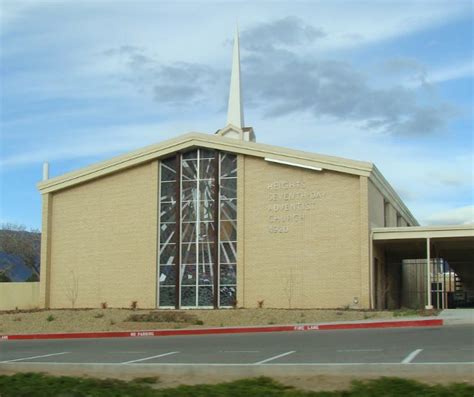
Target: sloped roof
[{"x": 190, "y": 140}]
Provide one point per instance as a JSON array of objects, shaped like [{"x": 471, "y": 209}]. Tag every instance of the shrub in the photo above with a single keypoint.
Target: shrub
[
  {"x": 415, "y": 312},
  {"x": 164, "y": 317},
  {"x": 146, "y": 380},
  {"x": 50, "y": 318}
]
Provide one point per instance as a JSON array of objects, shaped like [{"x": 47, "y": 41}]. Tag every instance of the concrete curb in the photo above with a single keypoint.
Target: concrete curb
[
  {"x": 231, "y": 330},
  {"x": 459, "y": 372}
]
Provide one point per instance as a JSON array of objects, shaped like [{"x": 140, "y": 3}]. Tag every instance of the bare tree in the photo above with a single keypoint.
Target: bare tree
[
  {"x": 72, "y": 290},
  {"x": 17, "y": 241},
  {"x": 386, "y": 290}
]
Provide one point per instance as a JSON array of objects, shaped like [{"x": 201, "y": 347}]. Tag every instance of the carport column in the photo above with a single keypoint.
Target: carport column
[{"x": 428, "y": 275}]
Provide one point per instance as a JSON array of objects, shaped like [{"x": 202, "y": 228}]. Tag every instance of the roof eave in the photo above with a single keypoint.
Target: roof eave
[{"x": 194, "y": 139}]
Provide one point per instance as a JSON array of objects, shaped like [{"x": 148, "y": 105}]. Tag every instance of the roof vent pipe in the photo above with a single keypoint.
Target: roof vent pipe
[{"x": 45, "y": 171}]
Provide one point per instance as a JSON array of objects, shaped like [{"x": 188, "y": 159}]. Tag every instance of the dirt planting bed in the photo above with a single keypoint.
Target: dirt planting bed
[{"x": 82, "y": 320}]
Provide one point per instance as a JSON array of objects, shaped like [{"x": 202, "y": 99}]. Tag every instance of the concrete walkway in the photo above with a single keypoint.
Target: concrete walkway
[{"x": 457, "y": 316}]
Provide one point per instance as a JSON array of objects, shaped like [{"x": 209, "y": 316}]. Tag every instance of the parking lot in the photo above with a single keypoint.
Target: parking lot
[{"x": 448, "y": 345}]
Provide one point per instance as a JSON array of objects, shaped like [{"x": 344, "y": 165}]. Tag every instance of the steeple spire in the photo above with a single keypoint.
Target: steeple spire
[{"x": 235, "y": 111}]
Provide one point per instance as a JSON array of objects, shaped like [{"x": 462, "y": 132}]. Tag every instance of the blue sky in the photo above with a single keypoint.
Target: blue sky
[{"x": 389, "y": 82}]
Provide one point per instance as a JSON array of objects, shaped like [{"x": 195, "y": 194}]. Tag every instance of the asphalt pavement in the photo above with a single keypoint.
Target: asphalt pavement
[{"x": 429, "y": 345}]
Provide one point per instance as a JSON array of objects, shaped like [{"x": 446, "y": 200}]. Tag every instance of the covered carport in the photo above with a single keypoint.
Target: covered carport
[{"x": 422, "y": 267}]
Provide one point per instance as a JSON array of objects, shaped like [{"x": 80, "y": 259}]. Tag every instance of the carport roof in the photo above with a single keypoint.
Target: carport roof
[
  {"x": 452, "y": 243},
  {"x": 417, "y": 232}
]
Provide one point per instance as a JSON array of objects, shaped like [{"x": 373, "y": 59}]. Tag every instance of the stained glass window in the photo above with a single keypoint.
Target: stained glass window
[
  {"x": 205, "y": 238},
  {"x": 227, "y": 230}
]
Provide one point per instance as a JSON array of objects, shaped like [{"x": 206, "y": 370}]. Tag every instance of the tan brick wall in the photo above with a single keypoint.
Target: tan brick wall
[
  {"x": 365, "y": 270},
  {"x": 45, "y": 261},
  {"x": 317, "y": 260},
  {"x": 21, "y": 296},
  {"x": 104, "y": 236},
  {"x": 241, "y": 236}
]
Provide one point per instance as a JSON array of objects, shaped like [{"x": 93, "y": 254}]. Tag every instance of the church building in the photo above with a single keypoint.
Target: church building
[{"x": 221, "y": 221}]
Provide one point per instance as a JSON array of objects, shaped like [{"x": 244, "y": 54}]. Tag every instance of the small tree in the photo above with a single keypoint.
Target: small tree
[
  {"x": 17, "y": 241},
  {"x": 386, "y": 290},
  {"x": 4, "y": 277},
  {"x": 72, "y": 290}
]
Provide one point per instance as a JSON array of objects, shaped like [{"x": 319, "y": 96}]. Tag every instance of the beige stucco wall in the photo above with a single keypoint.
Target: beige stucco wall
[
  {"x": 377, "y": 210},
  {"x": 376, "y": 206},
  {"x": 392, "y": 216},
  {"x": 21, "y": 296},
  {"x": 403, "y": 222},
  {"x": 103, "y": 246},
  {"x": 306, "y": 251}
]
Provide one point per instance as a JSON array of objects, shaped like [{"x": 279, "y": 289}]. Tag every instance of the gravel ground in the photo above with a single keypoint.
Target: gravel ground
[{"x": 66, "y": 320}]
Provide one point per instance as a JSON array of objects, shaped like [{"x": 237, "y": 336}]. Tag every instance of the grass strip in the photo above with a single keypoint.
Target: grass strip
[{"x": 41, "y": 385}]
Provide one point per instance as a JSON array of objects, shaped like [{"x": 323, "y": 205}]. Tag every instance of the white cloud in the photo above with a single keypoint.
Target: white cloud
[
  {"x": 93, "y": 142},
  {"x": 456, "y": 216},
  {"x": 452, "y": 72},
  {"x": 100, "y": 25}
]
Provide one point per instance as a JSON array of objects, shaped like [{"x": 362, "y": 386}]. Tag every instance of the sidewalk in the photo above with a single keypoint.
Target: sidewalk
[{"x": 457, "y": 316}]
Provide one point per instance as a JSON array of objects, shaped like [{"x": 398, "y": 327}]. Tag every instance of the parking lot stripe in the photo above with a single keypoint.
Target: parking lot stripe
[
  {"x": 408, "y": 359},
  {"x": 392, "y": 364},
  {"x": 33, "y": 357},
  {"x": 359, "y": 350},
  {"x": 274, "y": 357},
  {"x": 149, "y": 358}
]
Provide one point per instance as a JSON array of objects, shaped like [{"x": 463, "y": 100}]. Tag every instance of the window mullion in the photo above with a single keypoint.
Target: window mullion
[
  {"x": 198, "y": 223},
  {"x": 216, "y": 266},
  {"x": 179, "y": 189}
]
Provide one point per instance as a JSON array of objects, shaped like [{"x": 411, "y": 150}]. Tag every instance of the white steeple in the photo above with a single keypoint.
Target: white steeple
[{"x": 235, "y": 111}]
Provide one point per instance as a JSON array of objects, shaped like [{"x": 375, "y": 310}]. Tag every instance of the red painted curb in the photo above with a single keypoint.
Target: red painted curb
[
  {"x": 383, "y": 324},
  {"x": 235, "y": 330}
]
